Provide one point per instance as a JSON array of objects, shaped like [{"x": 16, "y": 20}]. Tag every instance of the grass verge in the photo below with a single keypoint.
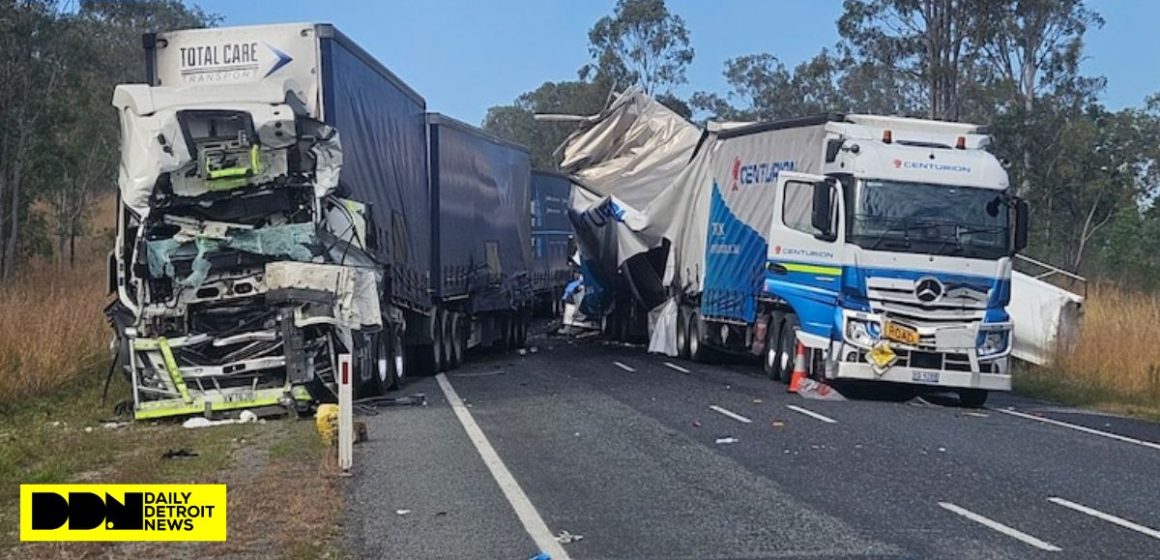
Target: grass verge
[
  {"x": 1115, "y": 363},
  {"x": 280, "y": 503}
]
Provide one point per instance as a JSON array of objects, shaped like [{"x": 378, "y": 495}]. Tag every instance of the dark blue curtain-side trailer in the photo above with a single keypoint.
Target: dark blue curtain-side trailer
[
  {"x": 551, "y": 239},
  {"x": 480, "y": 190}
]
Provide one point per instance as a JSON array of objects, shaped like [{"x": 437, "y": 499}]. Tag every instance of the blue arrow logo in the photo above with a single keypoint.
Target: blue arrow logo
[{"x": 283, "y": 60}]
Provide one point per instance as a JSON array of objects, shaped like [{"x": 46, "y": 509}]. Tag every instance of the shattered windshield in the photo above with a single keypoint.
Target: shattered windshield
[{"x": 930, "y": 219}]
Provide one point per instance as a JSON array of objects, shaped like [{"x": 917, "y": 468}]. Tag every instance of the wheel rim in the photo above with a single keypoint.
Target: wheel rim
[
  {"x": 694, "y": 338},
  {"x": 681, "y": 337}
]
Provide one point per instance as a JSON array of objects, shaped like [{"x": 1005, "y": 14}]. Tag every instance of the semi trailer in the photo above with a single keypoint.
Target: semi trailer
[
  {"x": 551, "y": 240},
  {"x": 276, "y": 211},
  {"x": 481, "y": 240},
  {"x": 881, "y": 244}
]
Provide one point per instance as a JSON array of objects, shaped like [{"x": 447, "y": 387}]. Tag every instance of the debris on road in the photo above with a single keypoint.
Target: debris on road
[
  {"x": 541, "y": 556},
  {"x": 778, "y": 424},
  {"x": 568, "y": 538},
  {"x": 696, "y": 424},
  {"x": 179, "y": 454},
  {"x": 818, "y": 391},
  {"x": 726, "y": 440},
  {"x": 401, "y": 512}
]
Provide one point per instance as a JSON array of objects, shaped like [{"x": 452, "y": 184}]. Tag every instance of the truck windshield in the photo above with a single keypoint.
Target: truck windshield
[{"x": 930, "y": 219}]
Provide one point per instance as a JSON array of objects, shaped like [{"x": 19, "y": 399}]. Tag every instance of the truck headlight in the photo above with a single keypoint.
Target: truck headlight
[
  {"x": 992, "y": 342},
  {"x": 861, "y": 333}
]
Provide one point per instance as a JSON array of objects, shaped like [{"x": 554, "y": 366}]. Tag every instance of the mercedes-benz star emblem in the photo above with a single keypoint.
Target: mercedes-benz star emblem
[{"x": 928, "y": 289}]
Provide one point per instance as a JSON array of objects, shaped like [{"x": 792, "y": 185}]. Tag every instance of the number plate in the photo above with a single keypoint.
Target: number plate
[
  {"x": 901, "y": 333},
  {"x": 925, "y": 376}
]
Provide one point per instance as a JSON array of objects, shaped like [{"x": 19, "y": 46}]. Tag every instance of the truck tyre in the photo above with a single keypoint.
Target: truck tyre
[
  {"x": 447, "y": 322},
  {"x": 606, "y": 325},
  {"x": 458, "y": 338},
  {"x": 397, "y": 362},
  {"x": 697, "y": 351},
  {"x": 771, "y": 357},
  {"x": 366, "y": 364},
  {"x": 437, "y": 362},
  {"x": 972, "y": 398},
  {"x": 682, "y": 333},
  {"x": 786, "y": 346}
]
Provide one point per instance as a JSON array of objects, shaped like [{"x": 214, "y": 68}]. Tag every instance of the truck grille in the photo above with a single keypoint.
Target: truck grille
[{"x": 896, "y": 299}]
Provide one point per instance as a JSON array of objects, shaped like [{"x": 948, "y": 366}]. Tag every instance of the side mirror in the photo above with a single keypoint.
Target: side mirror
[
  {"x": 1022, "y": 222},
  {"x": 822, "y": 218}
]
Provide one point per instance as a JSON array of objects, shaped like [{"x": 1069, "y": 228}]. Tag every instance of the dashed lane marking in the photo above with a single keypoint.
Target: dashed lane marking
[
  {"x": 731, "y": 414},
  {"x": 624, "y": 366},
  {"x": 1084, "y": 429},
  {"x": 1106, "y": 517},
  {"x": 996, "y": 526},
  {"x": 811, "y": 414},
  {"x": 671, "y": 365}
]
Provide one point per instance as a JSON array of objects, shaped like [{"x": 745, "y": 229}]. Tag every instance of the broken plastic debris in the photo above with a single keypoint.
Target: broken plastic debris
[
  {"x": 942, "y": 450},
  {"x": 541, "y": 556},
  {"x": 568, "y": 538},
  {"x": 726, "y": 440},
  {"x": 757, "y": 401},
  {"x": 200, "y": 422},
  {"x": 88, "y": 429},
  {"x": 815, "y": 390},
  {"x": 402, "y": 511},
  {"x": 696, "y": 424},
  {"x": 523, "y": 351},
  {"x": 778, "y": 424}
]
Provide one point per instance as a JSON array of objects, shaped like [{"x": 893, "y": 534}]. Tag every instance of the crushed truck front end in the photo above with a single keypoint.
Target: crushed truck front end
[{"x": 240, "y": 272}]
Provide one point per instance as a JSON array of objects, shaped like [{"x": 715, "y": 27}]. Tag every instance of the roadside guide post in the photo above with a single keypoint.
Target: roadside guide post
[{"x": 345, "y": 415}]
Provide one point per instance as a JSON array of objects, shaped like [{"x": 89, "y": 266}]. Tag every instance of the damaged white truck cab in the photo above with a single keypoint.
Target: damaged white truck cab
[
  {"x": 254, "y": 246},
  {"x": 239, "y": 272}
]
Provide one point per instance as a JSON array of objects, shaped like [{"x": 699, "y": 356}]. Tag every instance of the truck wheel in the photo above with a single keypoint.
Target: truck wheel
[
  {"x": 522, "y": 332},
  {"x": 786, "y": 347},
  {"x": 607, "y": 325},
  {"x": 397, "y": 362},
  {"x": 972, "y": 398},
  {"x": 697, "y": 351},
  {"x": 447, "y": 320},
  {"x": 458, "y": 340},
  {"x": 772, "y": 356},
  {"x": 437, "y": 362},
  {"x": 682, "y": 333},
  {"x": 366, "y": 364}
]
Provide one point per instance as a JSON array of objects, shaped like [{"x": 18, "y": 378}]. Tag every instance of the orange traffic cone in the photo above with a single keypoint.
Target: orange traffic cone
[{"x": 799, "y": 369}]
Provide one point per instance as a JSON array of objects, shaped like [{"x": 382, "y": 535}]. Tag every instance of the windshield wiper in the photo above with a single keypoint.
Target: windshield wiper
[{"x": 901, "y": 243}]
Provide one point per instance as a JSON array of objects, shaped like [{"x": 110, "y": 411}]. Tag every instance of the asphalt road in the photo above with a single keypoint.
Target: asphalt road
[{"x": 572, "y": 440}]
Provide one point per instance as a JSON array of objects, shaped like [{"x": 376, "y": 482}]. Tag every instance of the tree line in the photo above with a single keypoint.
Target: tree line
[
  {"x": 1089, "y": 172},
  {"x": 59, "y": 137}
]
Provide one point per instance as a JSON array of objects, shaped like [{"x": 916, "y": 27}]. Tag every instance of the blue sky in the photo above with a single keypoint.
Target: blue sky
[{"x": 467, "y": 55}]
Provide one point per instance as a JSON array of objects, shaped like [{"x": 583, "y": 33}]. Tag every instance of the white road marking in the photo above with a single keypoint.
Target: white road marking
[
  {"x": 1106, "y": 517},
  {"x": 625, "y": 367},
  {"x": 671, "y": 365},
  {"x": 731, "y": 414},
  {"x": 533, "y": 523},
  {"x": 1084, "y": 429},
  {"x": 811, "y": 414},
  {"x": 992, "y": 524}
]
